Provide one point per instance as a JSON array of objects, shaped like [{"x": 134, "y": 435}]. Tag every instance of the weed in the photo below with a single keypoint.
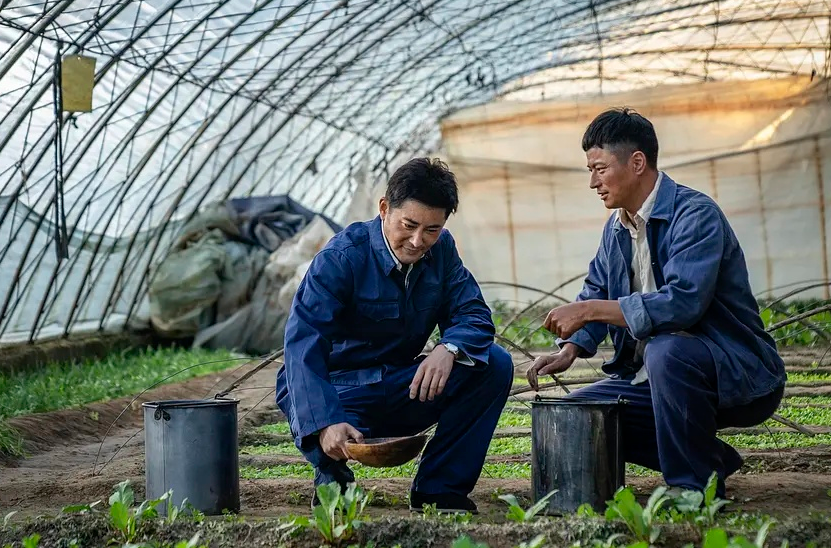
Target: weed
[
  {"x": 294, "y": 497},
  {"x": 586, "y": 510},
  {"x": 11, "y": 442},
  {"x": 7, "y": 518},
  {"x": 231, "y": 517},
  {"x": 536, "y": 542},
  {"x": 465, "y": 541},
  {"x": 515, "y": 511},
  {"x": 639, "y": 520}
]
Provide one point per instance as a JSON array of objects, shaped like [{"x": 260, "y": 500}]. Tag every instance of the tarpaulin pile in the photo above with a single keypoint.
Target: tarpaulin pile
[{"x": 230, "y": 276}]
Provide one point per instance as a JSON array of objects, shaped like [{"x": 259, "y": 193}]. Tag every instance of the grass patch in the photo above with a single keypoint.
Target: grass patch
[
  {"x": 287, "y": 448},
  {"x": 63, "y": 385},
  {"x": 509, "y": 419},
  {"x": 816, "y": 416},
  {"x": 780, "y": 440},
  {"x": 510, "y": 446},
  {"x": 277, "y": 428},
  {"x": 491, "y": 470},
  {"x": 640, "y": 471},
  {"x": 814, "y": 400},
  {"x": 818, "y": 378},
  {"x": 11, "y": 443}
]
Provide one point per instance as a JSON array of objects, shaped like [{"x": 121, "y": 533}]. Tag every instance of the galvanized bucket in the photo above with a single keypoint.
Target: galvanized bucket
[
  {"x": 576, "y": 449},
  {"x": 191, "y": 446}
]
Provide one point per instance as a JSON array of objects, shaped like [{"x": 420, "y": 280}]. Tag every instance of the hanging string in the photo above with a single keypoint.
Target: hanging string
[{"x": 61, "y": 238}]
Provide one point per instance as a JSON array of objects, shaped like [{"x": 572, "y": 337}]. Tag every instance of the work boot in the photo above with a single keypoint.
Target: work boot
[
  {"x": 338, "y": 472},
  {"x": 450, "y": 503}
]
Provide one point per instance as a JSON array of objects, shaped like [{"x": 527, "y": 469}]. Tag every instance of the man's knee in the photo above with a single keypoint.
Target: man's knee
[{"x": 501, "y": 366}]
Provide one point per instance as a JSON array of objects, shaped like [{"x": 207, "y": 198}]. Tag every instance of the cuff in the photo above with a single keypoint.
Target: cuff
[
  {"x": 636, "y": 316},
  {"x": 461, "y": 357},
  {"x": 583, "y": 340}
]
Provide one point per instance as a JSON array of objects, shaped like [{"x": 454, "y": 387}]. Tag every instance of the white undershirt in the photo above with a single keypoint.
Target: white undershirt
[{"x": 643, "y": 281}]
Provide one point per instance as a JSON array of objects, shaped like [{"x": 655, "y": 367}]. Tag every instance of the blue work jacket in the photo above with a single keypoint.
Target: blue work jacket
[
  {"x": 704, "y": 290},
  {"x": 350, "y": 318}
]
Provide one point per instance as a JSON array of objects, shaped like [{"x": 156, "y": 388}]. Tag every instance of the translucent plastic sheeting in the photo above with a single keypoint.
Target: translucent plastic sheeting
[{"x": 195, "y": 102}]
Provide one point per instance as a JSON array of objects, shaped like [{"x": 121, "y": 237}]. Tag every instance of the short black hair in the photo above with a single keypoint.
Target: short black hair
[
  {"x": 424, "y": 180},
  {"x": 623, "y": 131}
]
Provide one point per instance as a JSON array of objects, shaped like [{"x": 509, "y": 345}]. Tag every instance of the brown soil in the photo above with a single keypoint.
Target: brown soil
[{"x": 64, "y": 446}]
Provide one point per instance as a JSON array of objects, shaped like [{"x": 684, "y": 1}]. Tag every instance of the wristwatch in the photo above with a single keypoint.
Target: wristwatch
[{"x": 452, "y": 348}]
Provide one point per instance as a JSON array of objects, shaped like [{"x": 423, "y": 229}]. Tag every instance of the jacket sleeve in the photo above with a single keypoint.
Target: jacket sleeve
[
  {"x": 310, "y": 329},
  {"x": 465, "y": 318},
  {"x": 595, "y": 286},
  {"x": 695, "y": 252}
]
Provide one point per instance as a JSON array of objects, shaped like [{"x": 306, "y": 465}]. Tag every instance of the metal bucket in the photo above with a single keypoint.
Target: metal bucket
[
  {"x": 576, "y": 449},
  {"x": 191, "y": 446}
]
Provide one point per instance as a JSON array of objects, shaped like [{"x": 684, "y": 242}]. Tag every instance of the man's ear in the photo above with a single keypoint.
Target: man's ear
[
  {"x": 383, "y": 207},
  {"x": 638, "y": 162}
]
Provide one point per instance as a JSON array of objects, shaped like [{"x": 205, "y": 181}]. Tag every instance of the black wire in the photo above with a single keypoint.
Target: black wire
[{"x": 61, "y": 239}]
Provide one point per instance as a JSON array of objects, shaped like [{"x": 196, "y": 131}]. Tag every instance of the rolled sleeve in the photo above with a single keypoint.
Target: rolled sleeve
[{"x": 636, "y": 316}]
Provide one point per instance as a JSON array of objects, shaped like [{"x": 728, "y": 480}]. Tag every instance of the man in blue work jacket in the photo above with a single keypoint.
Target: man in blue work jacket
[
  {"x": 669, "y": 284},
  {"x": 358, "y": 324}
]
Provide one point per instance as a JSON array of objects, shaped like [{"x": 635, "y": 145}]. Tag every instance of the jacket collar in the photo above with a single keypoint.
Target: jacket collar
[
  {"x": 379, "y": 246},
  {"x": 382, "y": 251},
  {"x": 664, "y": 202}
]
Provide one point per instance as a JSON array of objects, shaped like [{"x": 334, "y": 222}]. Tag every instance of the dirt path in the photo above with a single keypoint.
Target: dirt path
[{"x": 64, "y": 446}]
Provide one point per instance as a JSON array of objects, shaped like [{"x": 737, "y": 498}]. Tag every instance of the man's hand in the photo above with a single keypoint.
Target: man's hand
[
  {"x": 432, "y": 374},
  {"x": 333, "y": 439},
  {"x": 565, "y": 320},
  {"x": 552, "y": 364}
]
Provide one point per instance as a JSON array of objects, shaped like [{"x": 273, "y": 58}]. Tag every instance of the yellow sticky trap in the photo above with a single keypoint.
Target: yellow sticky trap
[{"x": 77, "y": 79}]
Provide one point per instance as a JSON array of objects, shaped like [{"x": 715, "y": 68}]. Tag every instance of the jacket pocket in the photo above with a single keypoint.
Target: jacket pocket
[
  {"x": 378, "y": 311},
  {"x": 356, "y": 377}
]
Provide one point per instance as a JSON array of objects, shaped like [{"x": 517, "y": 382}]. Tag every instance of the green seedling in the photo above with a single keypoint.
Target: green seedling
[
  {"x": 717, "y": 538},
  {"x": 639, "y": 520},
  {"x": 515, "y": 511},
  {"x": 123, "y": 518},
  {"x": 32, "y": 541},
  {"x": 465, "y": 541},
  {"x": 338, "y": 515},
  {"x": 80, "y": 508},
  {"x": 701, "y": 508},
  {"x": 586, "y": 510}
]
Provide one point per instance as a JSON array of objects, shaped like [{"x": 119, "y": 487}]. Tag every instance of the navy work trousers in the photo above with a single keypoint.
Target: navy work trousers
[
  {"x": 670, "y": 422},
  {"x": 466, "y": 414}
]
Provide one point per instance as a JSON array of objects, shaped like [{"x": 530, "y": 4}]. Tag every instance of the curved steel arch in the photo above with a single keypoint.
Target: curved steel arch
[{"x": 364, "y": 87}]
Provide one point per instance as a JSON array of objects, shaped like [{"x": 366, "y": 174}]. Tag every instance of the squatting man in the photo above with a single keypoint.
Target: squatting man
[
  {"x": 669, "y": 285},
  {"x": 354, "y": 338}
]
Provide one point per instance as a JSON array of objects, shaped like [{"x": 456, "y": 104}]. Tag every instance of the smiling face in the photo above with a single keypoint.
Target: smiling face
[
  {"x": 411, "y": 229},
  {"x": 616, "y": 182}
]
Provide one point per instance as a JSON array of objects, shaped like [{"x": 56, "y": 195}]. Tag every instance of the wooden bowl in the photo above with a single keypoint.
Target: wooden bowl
[{"x": 386, "y": 452}]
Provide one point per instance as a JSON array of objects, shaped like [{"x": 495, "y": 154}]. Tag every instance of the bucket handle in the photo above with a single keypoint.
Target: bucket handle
[
  {"x": 161, "y": 413},
  {"x": 620, "y": 399}
]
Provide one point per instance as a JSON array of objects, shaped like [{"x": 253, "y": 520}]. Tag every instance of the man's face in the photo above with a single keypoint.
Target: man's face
[
  {"x": 614, "y": 181},
  {"x": 411, "y": 229}
]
